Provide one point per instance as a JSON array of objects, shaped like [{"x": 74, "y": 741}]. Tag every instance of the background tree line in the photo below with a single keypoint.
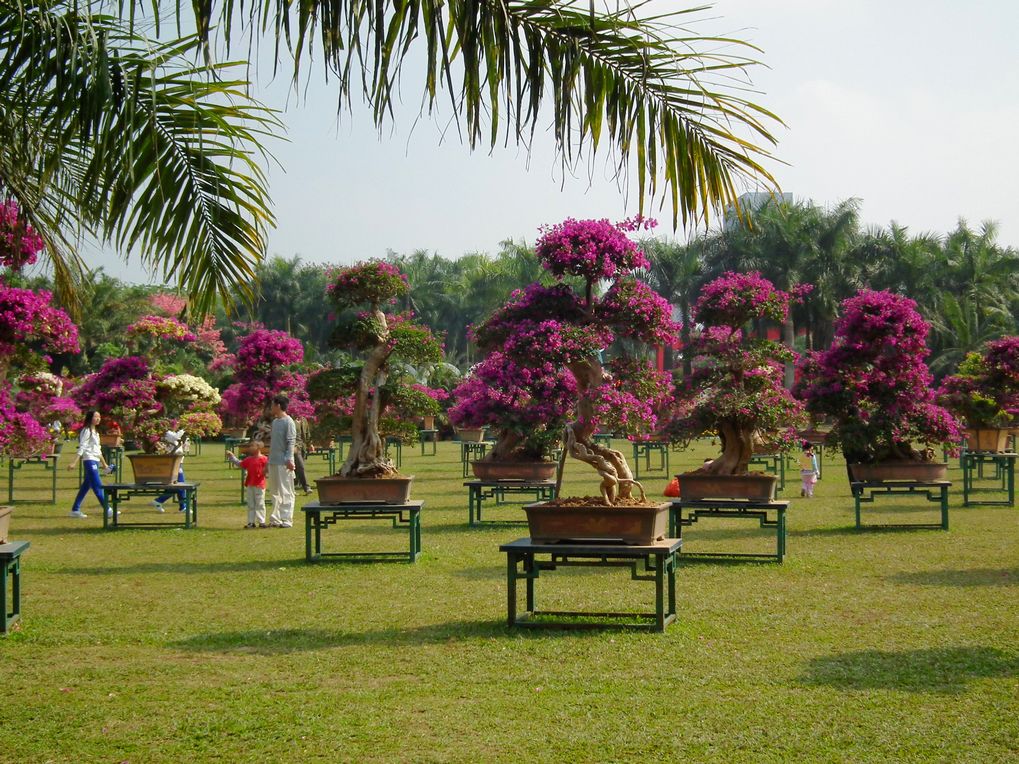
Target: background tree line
[{"x": 965, "y": 283}]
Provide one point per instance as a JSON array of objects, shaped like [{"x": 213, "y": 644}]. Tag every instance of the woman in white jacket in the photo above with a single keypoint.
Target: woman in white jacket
[{"x": 91, "y": 455}]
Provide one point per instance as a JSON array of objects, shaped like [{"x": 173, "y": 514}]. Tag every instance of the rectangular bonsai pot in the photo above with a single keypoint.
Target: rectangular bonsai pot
[
  {"x": 754, "y": 486},
  {"x": 341, "y": 490},
  {"x": 628, "y": 525}
]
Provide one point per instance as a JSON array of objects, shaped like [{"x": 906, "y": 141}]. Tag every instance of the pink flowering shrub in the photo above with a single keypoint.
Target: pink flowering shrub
[
  {"x": 19, "y": 242},
  {"x": 570, "y": 329},
  {"x": 40, "y": 395},
  {"x": 528, "y": 405},
  {"x": 735, "y": 390},
  {"x": 261, "y": 370},
  {"x": 383, "y": 403},
  {"x": 123, "y": 389},
  {"x": 21, "y": 435},
  {"x": 153, "y": 329},
  {"x": 874, "y": 385},
  {"x": 985, "y": 390}
]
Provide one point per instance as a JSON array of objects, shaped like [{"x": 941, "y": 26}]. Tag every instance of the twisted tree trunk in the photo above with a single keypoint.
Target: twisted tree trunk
[
  {"x": 737, "y": 449},
  {"x": 367, "y": 456},
  {"x": 617, "y": 480}
]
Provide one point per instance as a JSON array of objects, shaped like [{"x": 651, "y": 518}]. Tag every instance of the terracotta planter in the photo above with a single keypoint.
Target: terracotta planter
[
  {"x": 340, "y": 490},
  {"x": 155, "y": 468},
  {"x": 111, "y": 441},
  {"x": 755, "y": 486},
  {"x": 487, "y": 470},
  {"x": 901, "y": 470},
  {"x": 429, "y": 422},
  {"x": 5, "y": 522},
  {"x": 233, "y": 432},
  {"x": 471, "y": 436},
  {"x": 986, "y": 439},
  {"x": 630, "y": 525}
]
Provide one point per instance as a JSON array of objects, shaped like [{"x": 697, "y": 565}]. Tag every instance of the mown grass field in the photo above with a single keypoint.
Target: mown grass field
[{"x": 222, "y": 644}]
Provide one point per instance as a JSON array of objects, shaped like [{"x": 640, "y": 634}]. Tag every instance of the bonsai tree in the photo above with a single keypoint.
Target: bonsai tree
[
  {"x": 369, "y": 396},
  {"x": 527, "y": 406},
  {"x": 985, "y": 391},
  {"x": 30, "y": 329},
  {"x": 570, "y": 328},
  {"x": 874, "y": 386},
  {"x": 735, "y": 389}
]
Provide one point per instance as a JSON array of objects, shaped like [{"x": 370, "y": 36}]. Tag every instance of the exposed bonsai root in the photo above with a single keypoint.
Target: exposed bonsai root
[{"x": 617, "y": 480}]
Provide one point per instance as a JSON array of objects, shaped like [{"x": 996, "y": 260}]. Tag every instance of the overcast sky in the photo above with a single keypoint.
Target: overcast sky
[{"x": 910, "y": 105}]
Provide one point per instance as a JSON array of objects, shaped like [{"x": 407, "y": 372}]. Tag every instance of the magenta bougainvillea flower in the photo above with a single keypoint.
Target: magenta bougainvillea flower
[
  {"x": 985, "y": 391},
  {"x": 874, "y": 385}
]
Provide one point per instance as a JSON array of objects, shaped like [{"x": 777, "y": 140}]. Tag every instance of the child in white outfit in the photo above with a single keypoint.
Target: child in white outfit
[{"x": 808, "y": 470}]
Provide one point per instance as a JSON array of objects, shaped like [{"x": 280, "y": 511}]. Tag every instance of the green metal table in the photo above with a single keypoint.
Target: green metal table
[
  {"x": 230, "y": 444},
  {"x": 10, "y": 569},
  {"x": 327, "y": 455},
  {"x": 643, "y": 449},
  {"x": 654, "y": 562},
  {"x": 398, "y": 445},
  {"x": 478, "y": 491},
  {"x": 768, "y": 514},
  {"x": 429, "y": 436},
  {"x": 119, "y": 492},
  {"x": 934, "y": 491},
  {"x": 973, "y": 463},
  {"x": 49, "y": 464},
  {"x": 470, "y": 450},
  {"x": 774, "y": 464},
  {"x": 114, "y": 456},
  {"x": 342, "y": 441},
  {"x": 603, "y": 439},
  {"x": 318, "y": 516}
]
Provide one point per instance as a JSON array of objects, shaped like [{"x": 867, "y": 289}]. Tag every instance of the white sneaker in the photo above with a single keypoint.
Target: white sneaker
[
  {"x": 78, "y": 515},
  {"x": 286, "y": 525},
  {"x": 157, "y": 506}
]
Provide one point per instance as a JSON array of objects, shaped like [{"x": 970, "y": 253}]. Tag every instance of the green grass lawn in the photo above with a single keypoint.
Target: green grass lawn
[{"x": 219, "y": 643}]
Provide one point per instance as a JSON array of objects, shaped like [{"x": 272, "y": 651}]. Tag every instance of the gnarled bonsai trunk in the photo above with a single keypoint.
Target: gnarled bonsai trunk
[
  {"x": 737, "y": 448},
  {"x": 505, "y": 448},
  {"x": 367, "y": 456},
  {"x": 617, "y": 480}
]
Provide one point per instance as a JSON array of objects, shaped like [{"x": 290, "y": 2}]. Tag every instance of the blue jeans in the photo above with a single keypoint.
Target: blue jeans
[
  {"x": 180, "y": 494},
  {"x": 91, "y": 482}
]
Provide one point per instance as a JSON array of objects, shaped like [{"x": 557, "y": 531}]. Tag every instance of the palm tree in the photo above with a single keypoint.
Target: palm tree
[
  {"x": 107, "y": 135},
  {"x": 149, "y": 153},
  {"x": 674, "y": 272}
]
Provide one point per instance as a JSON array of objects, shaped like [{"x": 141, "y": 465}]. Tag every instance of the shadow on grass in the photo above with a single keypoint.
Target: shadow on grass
[
  {"x": 971, "y": 577},
  {"x": 942, "y": 670},
  {"x": 283, "y": 641},
  {"x": 184, "y": 567}
]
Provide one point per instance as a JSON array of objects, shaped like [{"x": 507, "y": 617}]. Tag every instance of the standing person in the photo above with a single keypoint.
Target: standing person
[
  {"x": 178, "y": 445},
  {"x": 281, "y": 464},
  {"x": 808, "y": 470},
  {"x": 300, "y": 452},
  {"x": 91, "y": 455},
  {"x": 254, "y": 466}
]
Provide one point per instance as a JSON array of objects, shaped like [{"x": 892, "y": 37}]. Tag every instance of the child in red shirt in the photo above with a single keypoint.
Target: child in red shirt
[{"x": 254, "y": 466}]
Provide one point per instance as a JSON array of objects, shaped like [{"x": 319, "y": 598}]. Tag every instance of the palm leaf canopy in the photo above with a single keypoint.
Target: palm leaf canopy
[
  {"x": 671, "y": 101},
  {"x": 134, "y": 143}
]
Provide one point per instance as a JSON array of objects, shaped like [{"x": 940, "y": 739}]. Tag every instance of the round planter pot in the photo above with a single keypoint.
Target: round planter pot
[
  {"x": 754, "y": 486},
  {"x": 5, "y": 523},
  {"x": 986, "y": 439},
  {"x": 340, "y": 490},
  {"x": 486, "y": 470},
  {"x": 904, "y": 470},
  {"x": 549, "y": 524},
  {"x": 161, "y": 469}
]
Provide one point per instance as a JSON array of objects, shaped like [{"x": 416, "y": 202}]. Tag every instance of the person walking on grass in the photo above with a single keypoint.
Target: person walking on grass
[
  {"x": 178, "y": 445},
  {"x": 808, "y": 470},
  {"x": 281, "y": 464},
  {"x": 254, "y": 466},
  {"x": 90, "y": 453}
]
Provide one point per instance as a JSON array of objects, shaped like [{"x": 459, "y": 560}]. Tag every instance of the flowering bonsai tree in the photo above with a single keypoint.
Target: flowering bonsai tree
[
  {"x": 873, "y": 384},
  {"x": 368, "y": 396},
  {"x": 735, "y": 390},
  {"x": 264, "y": 368},
  {"x": 569, "y": 329},
  {"x": 985, "y": 391},
  {"x": 30, "y": 328},
  {"x": 527, "y": 406},
  {"x": 125, "y": 390}
]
